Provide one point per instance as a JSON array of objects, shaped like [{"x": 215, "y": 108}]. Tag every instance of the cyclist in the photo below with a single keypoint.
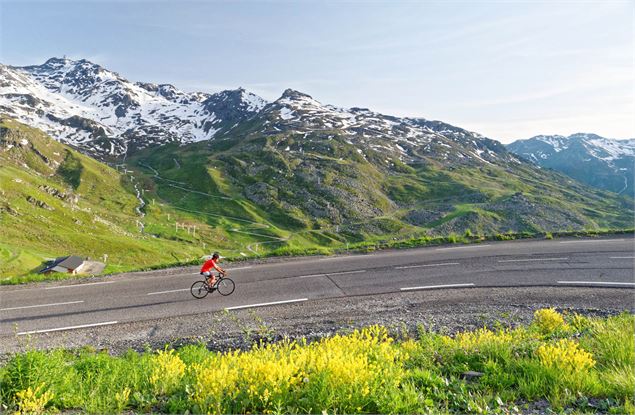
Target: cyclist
[{"x": 208, "y": 266}]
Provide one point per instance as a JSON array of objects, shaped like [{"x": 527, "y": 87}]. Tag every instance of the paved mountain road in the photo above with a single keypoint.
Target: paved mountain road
[{"x": 65, "y": 305}]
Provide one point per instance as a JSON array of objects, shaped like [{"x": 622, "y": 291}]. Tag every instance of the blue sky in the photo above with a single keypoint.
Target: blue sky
[{"x": 506, "y": 69}]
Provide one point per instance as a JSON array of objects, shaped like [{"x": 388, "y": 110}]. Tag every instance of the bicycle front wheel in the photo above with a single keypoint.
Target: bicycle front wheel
[
  {"x": 199, "y": 289},
  {"x": 225, "y": 286}
]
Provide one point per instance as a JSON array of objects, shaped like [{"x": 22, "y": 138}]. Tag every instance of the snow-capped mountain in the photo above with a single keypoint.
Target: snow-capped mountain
[
  {"x": 601, "y": 162},
  {"x": 408, "y": 138},
  {"x": 100, "y": 112}
]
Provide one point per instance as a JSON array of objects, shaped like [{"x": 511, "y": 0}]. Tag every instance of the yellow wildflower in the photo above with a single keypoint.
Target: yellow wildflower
[
  {"x": 565, "y": 355},
  {"x": 548, "y": 320},
  {"x": 167, "y": 371},
  {"x": 32, "y": 401}
]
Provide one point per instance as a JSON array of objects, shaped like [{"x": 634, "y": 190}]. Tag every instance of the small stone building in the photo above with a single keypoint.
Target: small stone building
[{"x": 68, "y": 264}]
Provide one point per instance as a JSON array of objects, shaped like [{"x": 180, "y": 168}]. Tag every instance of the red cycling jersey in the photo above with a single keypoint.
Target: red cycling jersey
[{"x": 208, "y": 265}]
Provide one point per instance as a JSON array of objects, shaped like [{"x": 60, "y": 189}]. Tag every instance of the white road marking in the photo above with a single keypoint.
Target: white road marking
[
  {"x": 622, "y": 257},
  {"x": 428, "y": 265},
  {"x": 626, "y": 284},
  {"x": 169, "y": 291},
  {"x": 431, "y": 287},
  {"x": 463, "y": 247},
  {"x": 532, "y": 259},
  {"x": 346, "y": 272},
  {"x": 67, "y": 328},
  {"x": 78, "y": 285},
  {"x": 331, "y": 273},
  {"x": 40, "y": 305},
  {"x": 311, "y": 276},
  {"x": 266, "y": 304},
  {"x": 592, "y": 241}
]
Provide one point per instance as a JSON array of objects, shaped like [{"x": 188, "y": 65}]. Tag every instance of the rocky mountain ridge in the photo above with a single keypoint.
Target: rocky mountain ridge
[
  {"x": 408, "y": 139},
  {"x": 105, "y": 115}
]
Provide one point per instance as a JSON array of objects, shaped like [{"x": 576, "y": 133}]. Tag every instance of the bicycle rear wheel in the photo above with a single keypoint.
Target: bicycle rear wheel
[
  {"x": 225, "y": 286},
  {"x": 199, "y": 289}
]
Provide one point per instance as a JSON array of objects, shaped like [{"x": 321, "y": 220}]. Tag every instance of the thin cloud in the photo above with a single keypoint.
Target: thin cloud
[{"x": 594, "y": 79}]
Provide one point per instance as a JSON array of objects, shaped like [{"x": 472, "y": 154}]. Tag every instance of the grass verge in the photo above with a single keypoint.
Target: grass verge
[
  {"x": 414, "y": 242},
  {"x": 575, "y": 363}
]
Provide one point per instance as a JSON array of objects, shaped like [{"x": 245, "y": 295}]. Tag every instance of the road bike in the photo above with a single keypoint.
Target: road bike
[{"x": 224, "y": 286}]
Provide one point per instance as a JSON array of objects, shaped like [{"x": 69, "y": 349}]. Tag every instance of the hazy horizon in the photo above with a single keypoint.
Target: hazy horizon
[{"x": 505, "y": 70}]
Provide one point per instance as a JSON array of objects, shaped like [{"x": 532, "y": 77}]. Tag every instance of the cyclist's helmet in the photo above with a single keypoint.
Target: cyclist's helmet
[{"x": 215, "y": 255}]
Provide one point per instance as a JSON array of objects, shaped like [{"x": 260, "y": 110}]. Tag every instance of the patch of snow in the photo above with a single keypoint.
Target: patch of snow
[
  {"x": 254, "y": 102},
  {"x": 558, "y": 142},
  {"x": 610, "y": 150},
  {"x": 478, "y": 154},
  {"x": 286, "y": 113}
]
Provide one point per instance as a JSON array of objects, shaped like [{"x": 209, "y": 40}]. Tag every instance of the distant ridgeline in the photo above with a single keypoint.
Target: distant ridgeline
[{"x": 597, "y": 161}]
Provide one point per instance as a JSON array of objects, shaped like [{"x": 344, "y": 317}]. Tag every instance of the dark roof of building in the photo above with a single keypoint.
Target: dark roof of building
[{"x": 69, "y": 262}]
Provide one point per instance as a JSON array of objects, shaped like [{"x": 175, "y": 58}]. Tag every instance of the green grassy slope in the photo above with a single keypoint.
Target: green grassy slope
[{"x": 55, "y": 201}]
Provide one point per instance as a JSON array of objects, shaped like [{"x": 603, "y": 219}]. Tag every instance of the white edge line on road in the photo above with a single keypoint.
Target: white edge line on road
[
  {"x": 463, "y": 247},
  {"x": 106, "y": 323},
  {"x": 331, "y": 273},
  {"x": 589, "y": 241},
  {"x": 621, "y": 257},
  {"x": 431, "y": 287},
  {"x": 169, "y": 291},
  {"x": 628, "y": 284},
  {"x": 428, "y": 265},
  {"x": 78, "y": 285},
  {"x": 40, "y": 305},
  {"x": 238, "y": 307},
  {"x": 532, "y": 259}
]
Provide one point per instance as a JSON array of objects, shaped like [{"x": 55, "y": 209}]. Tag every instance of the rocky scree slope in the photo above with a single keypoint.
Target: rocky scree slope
[{"x": 600, "y": 162}]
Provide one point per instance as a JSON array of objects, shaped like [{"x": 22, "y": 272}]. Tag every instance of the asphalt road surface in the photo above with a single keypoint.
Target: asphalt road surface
[{"x": 68, "y": 305}]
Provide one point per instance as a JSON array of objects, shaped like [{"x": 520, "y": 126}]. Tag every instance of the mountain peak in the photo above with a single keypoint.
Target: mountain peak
[
  {"x": 234, "y": 104},
  {"x": 86, "y": 105},
  {"x": 293, "y": 94},
  {"x": 56, "y": 60},
  {"x": 238, "y": 92},
  {"x": 56, "y": 63},
  {"x": 584, "y": 136}
]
